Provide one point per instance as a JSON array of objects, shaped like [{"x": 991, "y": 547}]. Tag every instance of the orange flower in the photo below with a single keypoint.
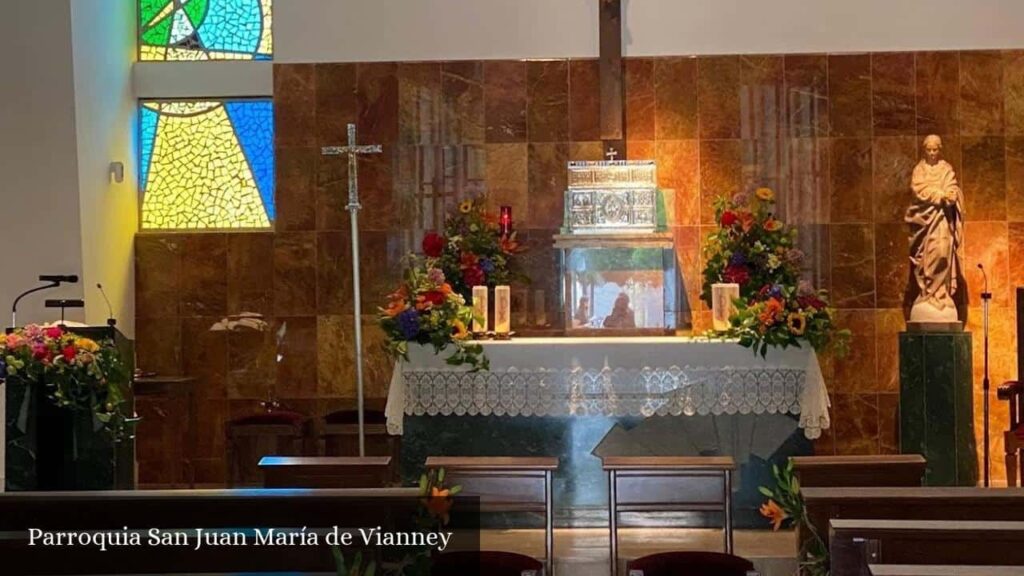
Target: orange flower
[
  {"x": 765, "y": 194},
  {"x": 461, "y": 333},
  {"x": 747, "y": 221},
  {"x": 446, "y": 289},
  {"x": 395, "y": 307},
  {"x": 772, "y": 310},
  {"x": 775, "y": 513},
  {"x": 509, "y": 244},
  {"x": 439, "y": 504},
  {"x": 772, "y": 225}
]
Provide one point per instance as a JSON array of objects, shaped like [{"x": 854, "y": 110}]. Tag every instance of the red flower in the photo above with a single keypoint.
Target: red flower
[
  {"x": 736, "y": 274},
  {"x": 811, "y": 302},
  {"x": 433, "y": 244},
  {"x": 435, "y": 297},
  {"x": 728, "y": 218},
  {"x": 53, "y": 332},
  {"x": 41, "y": 352},
  {"x": 69, "y": 353},
  {"x": 468, "y": 260},
  {"x": 473, "y": 276}
]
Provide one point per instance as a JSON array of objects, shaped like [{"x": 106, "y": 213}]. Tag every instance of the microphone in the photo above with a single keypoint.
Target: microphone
[
  {"x": 110, "y": 309},
  {"x": 59, "y": 279}
]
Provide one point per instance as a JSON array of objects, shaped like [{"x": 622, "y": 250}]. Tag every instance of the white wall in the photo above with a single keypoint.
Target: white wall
[
  {"x": 104, "y": 47},
  {"x": 39, "y": 206},
  {"x": 368, "y": 30}
]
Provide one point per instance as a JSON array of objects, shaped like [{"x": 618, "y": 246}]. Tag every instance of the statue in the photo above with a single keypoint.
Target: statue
[{"x": 936, "y": 219}]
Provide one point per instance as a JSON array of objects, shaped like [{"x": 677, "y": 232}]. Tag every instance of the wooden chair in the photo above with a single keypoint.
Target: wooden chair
[
  {"x": 325, "y": 471},
  {"x": 847, "y": 471},
  {"x": 485, "y": 562},
  {"x": 337, "y": 434},
  {"x": 250, "y": 438},
  {"x": 691, "y": 564},
  {"x": 1013, "y": 438}
]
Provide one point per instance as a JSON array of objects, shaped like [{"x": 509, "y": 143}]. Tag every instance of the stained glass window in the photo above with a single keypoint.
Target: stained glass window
[
  {"x": 205, "y": 30},
  {"x": 207, "y": 164}
]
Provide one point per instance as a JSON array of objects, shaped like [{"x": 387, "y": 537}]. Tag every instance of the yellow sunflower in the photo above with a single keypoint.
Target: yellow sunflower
[
  {"x": 461, "y": 333},
  {"x": 765, "y": 194},
  {"x": 466, "y": 206},
  {"x": 797, "y": 323},
  {"x": 87, "y": 345}
]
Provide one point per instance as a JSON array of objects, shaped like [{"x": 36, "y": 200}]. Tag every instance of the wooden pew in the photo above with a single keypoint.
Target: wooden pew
[
  {"x": 904, "y": 503},
  {"x": 857, "y": 543},
  {"x": 184, "y": 511},
  {"x": 845, "y": 471},
  {"x": 325, "y": 472},
  {"x": 925, "y": 570}
]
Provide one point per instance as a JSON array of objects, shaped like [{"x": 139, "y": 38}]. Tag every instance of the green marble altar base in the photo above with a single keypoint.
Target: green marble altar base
[
  {"x": 937, "y": 407},
  {"x": 580, "y": 485}
]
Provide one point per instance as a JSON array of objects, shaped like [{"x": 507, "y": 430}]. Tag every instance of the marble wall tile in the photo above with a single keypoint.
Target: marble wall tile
[
  {"x": 688, "y": 258},
  {"x": 331, "y": 192},
  {"x": 297, "y": 370},
  {"x": 808, "y": 180},
  {"x": 889, "y": 423},
  {"x": 853, "y": 265},
  {"x": 1015, "y": 258},
  {"x": 157, "y": 275},
  {"x": 213, "y": 415},
  {"x": 892, "y": 264},
  {"x": 334, "y": 272},
  {"x": 382, "y": 209},
  {"x": 815, "y": 242},
  {"x": 547, "y": 85},
  {"x": 294, "y": 105},
  {"x": 336, "y": 358},
  {"x": 718, "y": 95},
  {"x": 983, "y": 178},
  {"x": 295, "y": 195},
  {"x": 938, "y": 92},
  {"x": 849, "y": 88},
  {"x": 807, "y": 97},
  {"x": 205, "y": 356},
  {"x": 675, "y": 95},
  {"x": 1013, "y": 87},
  {"x": 762, "y": 97},
  {"x": 584, "y": 100},
  {"x": 856, "y": 372},
  {"x": 204, "y": 282},
  {"x": 721, "y": 169},
  {"x": 764, "y": 166},
  {"x": 295, "y": 274},
  {"x": 505, "y": 101},
  {"x": 508, "y": 177},
  {"x": 590, "y": 151},
  {"x": 1015, "y": 178},
  {"x": 462, "y": 112},
  {"x": 381, "y": 266},
  {"x": 889, "y": 322},
  {"x": 640, "y": 150},
  {"x": 336, "y": 104},
  {"x": 420, "y": 103},
  {"x": 857, "y": 431},
  {"x": 377, "y": 96},
  {"x": 999, "y": 422},
  {"x": 987, "y": 243},
  {"x": 158, "y": 345},
  {"x": 547, "y": 183},
  {"x": 826, "y": 444},
  {"x": 1002, "y": 347},
  {"x": 893, "y": 162},
  {"x": 892, "y": 94},
  {"x": 251, "y": 366},
  {"x": 981, "y": 93},
  {"x": 250, "y": 275},
  {"x": 639, "y": 98},
  {"x": 679, "y": 171},
  {"x": 851, "y": 186}
]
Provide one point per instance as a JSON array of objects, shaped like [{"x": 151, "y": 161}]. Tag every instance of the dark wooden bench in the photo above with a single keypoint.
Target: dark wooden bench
[
  {"x": 845, "y": 471},
  {"x": 925, "y": 570},
  {"x": 668, "y": 484},
  {"x": 506, "y": 484},
  {"x": 921, "y": 503},
  {"x": 857, "y": 543},
  {"x": 184, "y": 511},
  {"x": 325, "y": 472}
]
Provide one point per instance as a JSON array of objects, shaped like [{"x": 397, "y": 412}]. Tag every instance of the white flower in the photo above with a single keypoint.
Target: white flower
[{"x": 773, "y": 262}]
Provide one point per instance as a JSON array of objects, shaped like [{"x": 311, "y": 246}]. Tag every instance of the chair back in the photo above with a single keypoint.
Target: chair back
[
  {"x": 250, "y": 438},
  {"x": 690, "y": 564},
  {"x": 486, "y": 562}
]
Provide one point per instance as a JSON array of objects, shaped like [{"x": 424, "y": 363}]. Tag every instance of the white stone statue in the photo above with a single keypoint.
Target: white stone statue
[{"x": 936, "y": 219}]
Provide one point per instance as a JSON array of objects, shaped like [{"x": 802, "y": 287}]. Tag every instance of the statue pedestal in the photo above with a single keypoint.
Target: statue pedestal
[{"x": 936, "y": 405}]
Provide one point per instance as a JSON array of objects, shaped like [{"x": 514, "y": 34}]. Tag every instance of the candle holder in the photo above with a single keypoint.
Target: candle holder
[{"x": 505, "y": 220}]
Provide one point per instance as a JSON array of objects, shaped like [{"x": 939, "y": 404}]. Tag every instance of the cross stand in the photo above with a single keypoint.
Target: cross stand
[
  {"x": 986, "y": 299},
  {"x": 353, "y": 151}
]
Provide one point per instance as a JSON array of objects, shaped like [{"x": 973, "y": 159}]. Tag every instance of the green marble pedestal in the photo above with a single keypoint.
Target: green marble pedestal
[{"x": 936, "y": 405}]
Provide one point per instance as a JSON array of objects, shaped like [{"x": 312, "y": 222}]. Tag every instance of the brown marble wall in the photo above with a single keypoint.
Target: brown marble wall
[{"x": 835, "y": 135}]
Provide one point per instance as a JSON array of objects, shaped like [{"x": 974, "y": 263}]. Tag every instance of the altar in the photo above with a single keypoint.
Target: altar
[{"x": 584, "y": 398}]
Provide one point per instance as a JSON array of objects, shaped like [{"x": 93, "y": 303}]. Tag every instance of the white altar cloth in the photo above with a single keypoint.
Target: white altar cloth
[{"x": 633, "y": 376}]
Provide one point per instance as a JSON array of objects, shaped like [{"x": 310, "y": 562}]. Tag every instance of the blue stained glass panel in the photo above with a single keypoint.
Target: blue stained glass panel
[
  {"x": 232, "y": 26},
  {"x": 147, "y": 136},
  {"x": 254, "y": 124}
]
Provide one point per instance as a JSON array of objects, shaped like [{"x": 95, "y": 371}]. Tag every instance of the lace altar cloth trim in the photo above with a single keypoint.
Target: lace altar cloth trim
[{"x": 608, "y": 392}]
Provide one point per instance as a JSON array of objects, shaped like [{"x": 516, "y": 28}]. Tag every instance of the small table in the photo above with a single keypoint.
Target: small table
[
  {"x": 324, "y": 472},
  {"x": 176, "y": 388},
  {"x": 668, "y": 484},
  {"x": 506, "y": 484}
]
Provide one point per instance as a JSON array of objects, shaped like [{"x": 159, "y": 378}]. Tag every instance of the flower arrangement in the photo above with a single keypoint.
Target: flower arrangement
[
  {"x": 79, "y": 373},
  {"x": 785, "y": 505},
  {"x": 426, "y": 309},
  {"x": 753, "y": 248},
  {"x": 473, "y": 251}
]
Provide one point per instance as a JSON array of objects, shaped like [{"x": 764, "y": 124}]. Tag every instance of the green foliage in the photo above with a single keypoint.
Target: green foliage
[
  {"x": 475, "y": 253},
  {"x": 813, "y": 556}
]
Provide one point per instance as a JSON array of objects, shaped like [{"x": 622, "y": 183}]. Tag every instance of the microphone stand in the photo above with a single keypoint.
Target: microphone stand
[
  {"x": 14, "y": 307},
  {"x": 986, "y": 299}
]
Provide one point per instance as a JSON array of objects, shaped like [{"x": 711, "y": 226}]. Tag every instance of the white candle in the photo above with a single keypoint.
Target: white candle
[
  {"x": 502, "y": 309},
  {"x": 722, "y": 307},
  {"x": 540, "y": 310},
  {"x": 479, "y": 309}
]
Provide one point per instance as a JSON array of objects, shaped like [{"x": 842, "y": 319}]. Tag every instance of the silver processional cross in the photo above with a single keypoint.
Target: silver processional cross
[{"x": 353, "y": 151}]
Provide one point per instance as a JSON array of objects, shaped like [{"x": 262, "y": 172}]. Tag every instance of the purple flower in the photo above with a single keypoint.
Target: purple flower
[
  {"x": 409, "y": 324},
  {"x": 805, "y": 288},
  {"x": 436, "y": 276},
  {"x": 776, "y": 291},
  {"x": 738, "y": 259},
  {"x": 486, "y": 265},
  {"x": 740, "y": 199}
]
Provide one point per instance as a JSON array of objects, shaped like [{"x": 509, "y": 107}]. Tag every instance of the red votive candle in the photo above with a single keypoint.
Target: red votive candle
[{"x": 505, "y": 220}]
